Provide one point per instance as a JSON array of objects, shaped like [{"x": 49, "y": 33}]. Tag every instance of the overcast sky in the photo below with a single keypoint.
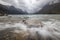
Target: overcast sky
[{"x": 29, "y": 6}]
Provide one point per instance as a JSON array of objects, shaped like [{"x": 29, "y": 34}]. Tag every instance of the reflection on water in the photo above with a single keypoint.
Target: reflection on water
[{"x": 30, "y": 27}]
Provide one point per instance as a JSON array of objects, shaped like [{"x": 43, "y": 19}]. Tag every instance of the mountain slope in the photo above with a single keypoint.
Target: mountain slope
[
  {"x": 50, "y": 9},
  {"x": 9, "y": 10},
  {"x": 3, "y": 10}
]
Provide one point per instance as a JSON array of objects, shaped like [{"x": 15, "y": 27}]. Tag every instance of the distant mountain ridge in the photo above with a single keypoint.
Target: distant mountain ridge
[
  {"x": 10, "y": 9},
  {"x": 47, "y": 9},
  {"x": 50, "y": 9}
]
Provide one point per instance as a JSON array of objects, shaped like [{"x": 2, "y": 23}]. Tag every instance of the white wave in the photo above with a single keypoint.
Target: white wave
[{"x": 49, "y": 28}]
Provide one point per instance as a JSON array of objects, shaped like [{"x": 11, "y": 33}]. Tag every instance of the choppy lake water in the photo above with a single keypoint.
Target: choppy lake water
[{"x": 47, "y": 26}]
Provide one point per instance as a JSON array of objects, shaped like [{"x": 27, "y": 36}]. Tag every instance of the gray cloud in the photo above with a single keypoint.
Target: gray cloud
[
  {"x": 4, "y": 3},
  {"x": 30, "y": 6}
]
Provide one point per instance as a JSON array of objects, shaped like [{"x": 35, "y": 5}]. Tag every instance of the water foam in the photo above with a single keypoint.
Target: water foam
[{"x": 49, "y": 29}]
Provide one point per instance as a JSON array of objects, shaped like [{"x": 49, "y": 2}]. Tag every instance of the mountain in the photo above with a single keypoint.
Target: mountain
[
  {"x": 47, "y": 9},
  {"x": 13, "y": 10},
  {"x": 9, "y": 10},
  {"x": 3, "y": 10},
  {"x": 50, "y": 9}
]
